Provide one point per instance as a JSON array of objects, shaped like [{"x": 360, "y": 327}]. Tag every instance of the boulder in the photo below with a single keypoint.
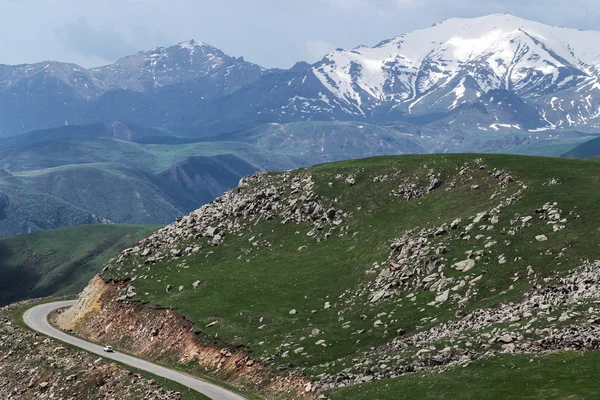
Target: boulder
[
  {"x": 505, "y": 339},
  {"x": 197, "y": 284},
  {"x": 456, "y": 224},
  {"x": 442, "y": 297},
  {"x": 216, "y": 240},
  {"x": 484, "y": 216},
  {"x": 465, "y": 265}
]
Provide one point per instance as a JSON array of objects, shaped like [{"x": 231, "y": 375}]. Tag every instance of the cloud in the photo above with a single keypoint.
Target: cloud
[
  {"x": 88, "y": 40},
  {"x": 378, "y": 7},
  {"x": 317, "y": 49},
  {"x": 273, "y": 33}
]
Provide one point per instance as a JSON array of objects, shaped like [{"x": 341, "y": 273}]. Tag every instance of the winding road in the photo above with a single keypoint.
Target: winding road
[{"x": 37, "y": 319}]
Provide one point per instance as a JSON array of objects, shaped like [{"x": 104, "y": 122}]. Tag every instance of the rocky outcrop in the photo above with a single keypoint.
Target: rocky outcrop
[
  {"x": 89, "y": 303},
  {"x": 418, "y": 260},
  {"x": 261, "y": 196}
]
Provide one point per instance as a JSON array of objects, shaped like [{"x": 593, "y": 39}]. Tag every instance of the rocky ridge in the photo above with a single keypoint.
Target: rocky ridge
[{"x": 258, "y": 197}]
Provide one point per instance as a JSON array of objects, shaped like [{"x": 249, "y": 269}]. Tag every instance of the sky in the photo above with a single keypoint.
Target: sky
[{"x": 272, "y": 33}]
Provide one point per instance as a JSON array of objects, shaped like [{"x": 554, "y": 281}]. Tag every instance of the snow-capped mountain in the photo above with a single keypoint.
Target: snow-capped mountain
[
  {"x": 493, "y": 73},
  {"x": 452, "y": 63}
]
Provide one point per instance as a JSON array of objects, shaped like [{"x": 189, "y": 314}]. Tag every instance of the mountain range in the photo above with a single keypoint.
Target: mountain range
[
  {"x": 549, "y": 73},
  {"x": 172, "y": 128}
]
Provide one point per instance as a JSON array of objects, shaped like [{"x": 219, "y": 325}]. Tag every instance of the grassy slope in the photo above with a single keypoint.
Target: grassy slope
[
  {"x": 59, "y": 262},
  {"x": 121, "y": 181},
  {"x": 548, "y": 148},
  {"x": 120, "y": 194},
  {"x": 568, "y": 375},
  {"x": 250, "y": 287},
  {"x": 24, "y": 209},
  {"x": 590, "y": 148}
]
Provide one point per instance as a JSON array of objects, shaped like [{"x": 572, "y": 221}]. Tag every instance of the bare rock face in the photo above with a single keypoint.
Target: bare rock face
[{"x": 89, "y": 302}]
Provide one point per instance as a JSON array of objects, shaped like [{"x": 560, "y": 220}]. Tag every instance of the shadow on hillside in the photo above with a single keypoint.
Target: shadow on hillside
[{"x": 15, "y": 281}]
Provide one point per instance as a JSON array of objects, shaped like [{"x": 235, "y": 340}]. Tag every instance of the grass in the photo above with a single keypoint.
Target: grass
[
  {"x": 250, "y": 290},
  {"x": 566, "y": 375},
  {"x": 60, "y": 262}
]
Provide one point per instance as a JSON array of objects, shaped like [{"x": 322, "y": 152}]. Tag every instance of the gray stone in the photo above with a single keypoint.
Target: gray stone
[
  {"x": 442, "y": 297},
  {"x": 505, "y": 339},
  {"x": 464, "y": 266},
  {"x": 197, "y": 284}
]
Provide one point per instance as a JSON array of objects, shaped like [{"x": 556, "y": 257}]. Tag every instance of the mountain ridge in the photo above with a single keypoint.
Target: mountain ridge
[{"x": 422, "y": 73}]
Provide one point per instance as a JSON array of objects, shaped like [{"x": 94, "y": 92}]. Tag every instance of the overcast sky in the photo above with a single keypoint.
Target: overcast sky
[{"x": 273, "y": 33}]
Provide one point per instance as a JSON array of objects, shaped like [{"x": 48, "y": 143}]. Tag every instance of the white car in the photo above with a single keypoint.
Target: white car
[{"x": 108, "y": 349}]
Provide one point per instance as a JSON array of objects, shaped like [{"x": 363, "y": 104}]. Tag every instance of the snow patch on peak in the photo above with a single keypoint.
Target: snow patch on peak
[{"x": 191, "y": 45}]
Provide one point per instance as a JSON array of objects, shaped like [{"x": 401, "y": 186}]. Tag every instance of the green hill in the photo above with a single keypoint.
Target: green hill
[
  {"x": 24, "y": 209},
  {"x": 318, "y": 142},
  {"x": 117, "y": 193},
  {"x": 376, "y": 269},
  {"x": 588, "y": 149},
  {"x": 59, "y": 262},
  {"x": 88, "y": 177}
]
